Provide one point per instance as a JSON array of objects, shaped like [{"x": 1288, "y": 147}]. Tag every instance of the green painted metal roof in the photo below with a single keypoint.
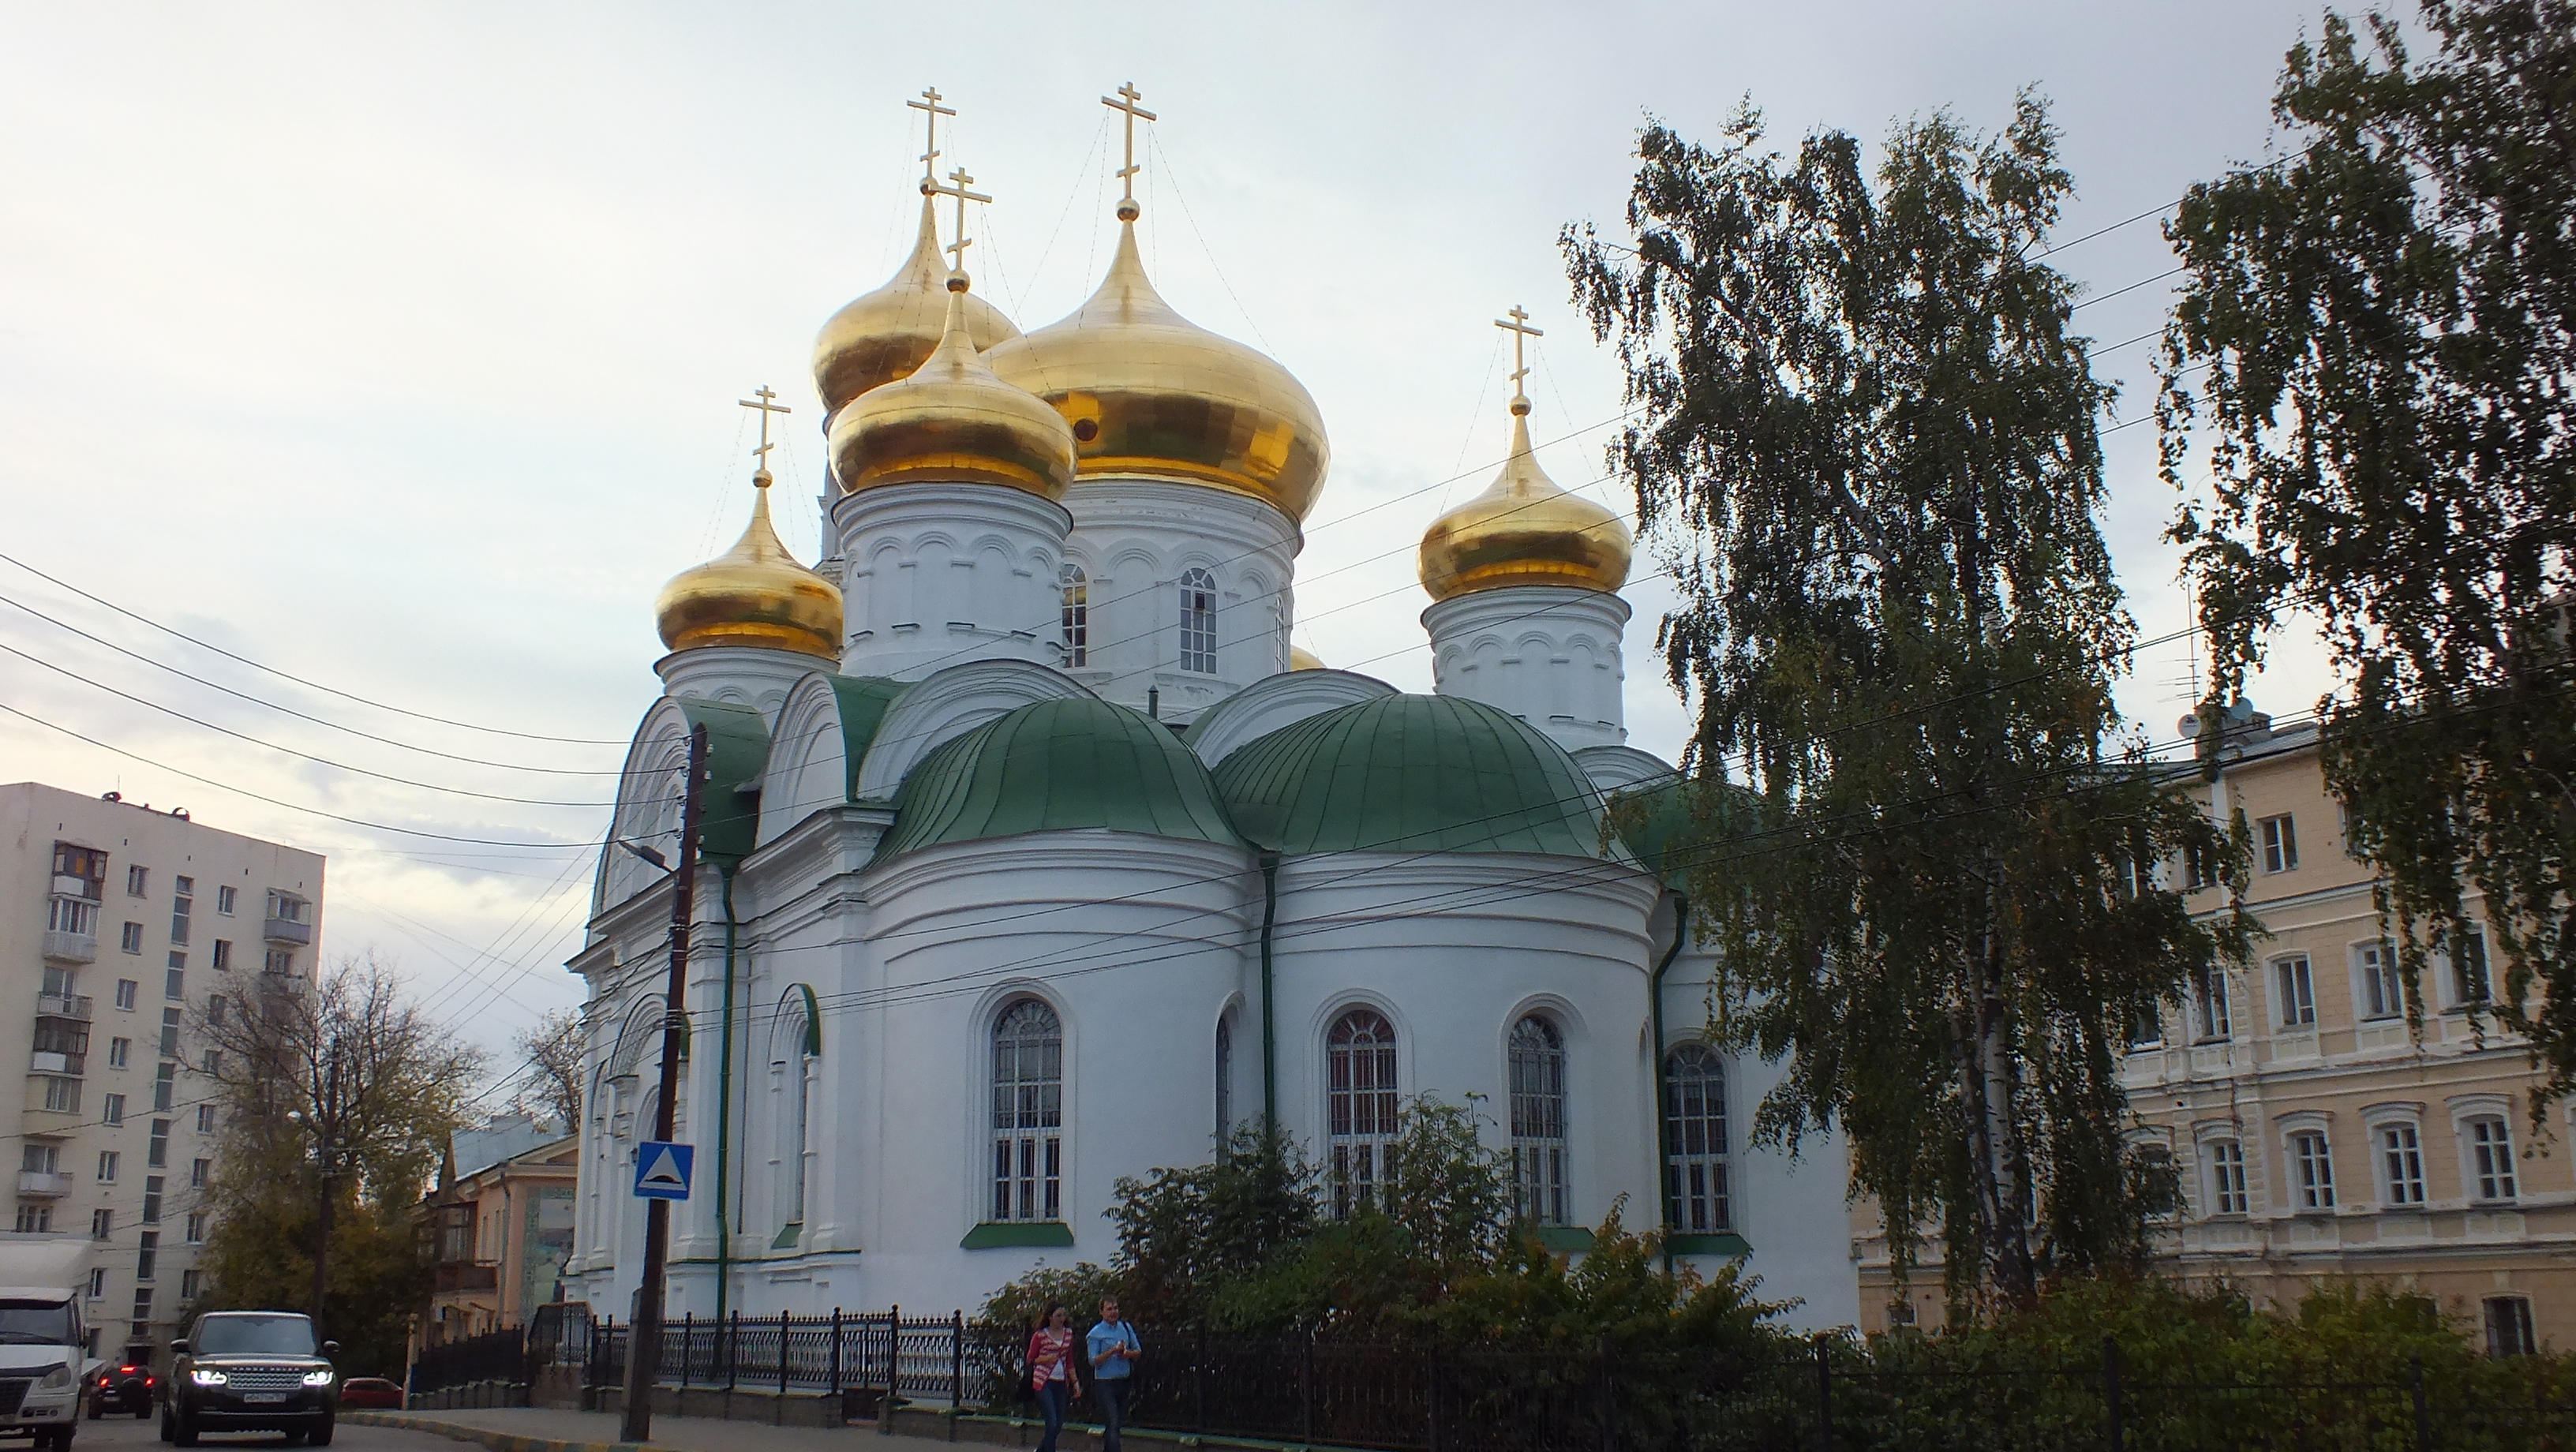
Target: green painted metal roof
[
  {"x": 1056, "y": 766},
  {"x": 864, "y": 701},
  {"x": 1672, "y": 825},
  {"x": 737, "y": 750},
  {"x": 1414, "y": 774}
]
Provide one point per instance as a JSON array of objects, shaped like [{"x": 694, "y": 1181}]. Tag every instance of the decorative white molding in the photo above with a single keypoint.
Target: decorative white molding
[
  {"x": 1134, "y": 539},
  {"x": 808, "y": 767},
  {"x": 1617, "y": 768},
  {"x": 1549, "y": 654},
  {"x": 937, "y": 574},
  {"x": 741, "y": 675},
  {"x": 648, "y": 806},
  {"x": 1276, "y": 703},
  {"x": 949, "y": 704}
]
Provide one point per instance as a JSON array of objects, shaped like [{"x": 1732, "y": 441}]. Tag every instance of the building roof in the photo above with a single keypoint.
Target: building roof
[
  {"x": 1414, "y": 774},
  {"x": 1057, "y": 766}
]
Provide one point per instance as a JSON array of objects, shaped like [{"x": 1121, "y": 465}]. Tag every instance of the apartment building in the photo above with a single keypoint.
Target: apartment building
[
  {"x": 120, "y": 924},
  {"x": 2315, "y": 1135}
]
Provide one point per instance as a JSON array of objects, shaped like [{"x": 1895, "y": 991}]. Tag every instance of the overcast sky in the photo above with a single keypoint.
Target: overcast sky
[{"x": 397, "y": 349}]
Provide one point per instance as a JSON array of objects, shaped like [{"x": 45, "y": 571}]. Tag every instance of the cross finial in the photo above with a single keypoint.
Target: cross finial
[
  {"x": 1516, "y": 323},
  {"x": 931, "y": 111},
  {"x": 764, "y": 399},
  {"x": 1125, "y": 101},
  {"x": 959, "y": 181}
]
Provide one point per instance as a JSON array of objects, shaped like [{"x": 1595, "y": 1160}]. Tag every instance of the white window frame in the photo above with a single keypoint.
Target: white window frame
[
  {"x": 2277, "y": 843},
  {"x": 2295, "y": 991},
  {"x": 2374, "y": 969},
  {"x": 2310, "y": 1172},
  {"x": 2474, "y": 942},
  {"x": 2211, "y": 1022},
  {"x": 1363, "y": 1101},
  {"x": 2397, "y": 1156},
  {"x": 2222, "y": 1164},
  {"x": 1534, "y": 1066},
  {"x": 1224, "y": 1077},
  {"x": 791, "y": 1089},
  {"x": 1198, "y": 621},
  {"x": 1074, "y": 625},
  {"x": 1697, "y": 1188},
  {"x": 2516, "y": 1338},
  {"x": 1025, "y": 1177}
]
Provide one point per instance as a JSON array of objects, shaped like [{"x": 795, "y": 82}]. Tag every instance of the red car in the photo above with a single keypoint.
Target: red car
[{"x": 370, "y": 1391}]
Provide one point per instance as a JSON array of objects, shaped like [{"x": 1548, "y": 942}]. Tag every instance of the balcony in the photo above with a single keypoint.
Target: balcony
[
  {"x": 467, "y": 1275},
  {"x": 63, "y": 1005},
  {"x": 43, "y": 1185},
  {"x": 71, "y": 947},
  {"x": 287, "y": 930},
  {"x": 50, "y": 1061}
]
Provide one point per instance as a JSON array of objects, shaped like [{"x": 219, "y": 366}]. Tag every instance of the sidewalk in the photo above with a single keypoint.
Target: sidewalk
[{"x": 549, "y": 1429}]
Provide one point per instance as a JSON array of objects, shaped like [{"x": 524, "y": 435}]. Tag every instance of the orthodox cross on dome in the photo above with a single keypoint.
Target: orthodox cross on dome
[
  {"x": 764, "y": 399},
  {"x": 1516, "y": 323},
  {"x": 959, "y": 181},
  {"x": 931, "y": 111},
  {"x": 1125, "y": 101}
]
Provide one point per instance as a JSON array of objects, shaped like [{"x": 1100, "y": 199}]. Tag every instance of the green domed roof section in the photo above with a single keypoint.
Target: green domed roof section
[
  {"x": 737, "y": 751},
  {"x": 1058, "y": 766},
  {"x": 863, "y": 701},
  {"x": 1414, "y": 774},
  {"x": 1675, "y": 825}
]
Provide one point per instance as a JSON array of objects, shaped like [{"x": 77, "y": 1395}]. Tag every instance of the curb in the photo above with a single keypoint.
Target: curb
[{"x": 498, "y": 1441}]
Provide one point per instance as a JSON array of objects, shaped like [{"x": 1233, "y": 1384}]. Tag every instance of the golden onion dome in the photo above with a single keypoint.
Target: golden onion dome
[
  {"x": 1524, "y": 531},
  {"x": 1150, "y": 393},
  {"x": 952, "y": 422},
  {"x": 753, "y": 594},
  {"x": 1302, "y": 659},
  {"x": 888, "y": 333}
]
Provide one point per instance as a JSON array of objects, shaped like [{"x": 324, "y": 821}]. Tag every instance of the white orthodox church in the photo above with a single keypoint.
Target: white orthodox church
[{"x": 1035, "y": 857}]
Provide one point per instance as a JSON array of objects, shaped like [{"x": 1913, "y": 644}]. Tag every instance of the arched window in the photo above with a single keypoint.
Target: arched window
[
  {"x": 1360, "y": 1109},
  {"x": 1695, "y": 1200},
  {"x": 791, "y": 1085},
  {"x": 1537, "y": 1063},
  {"x": 1077, "y": 615},
  {"x": 1028, "y": 1113},
  {"x": 1224, "y": 1078},
  {"x": 1198, "y": 621}
]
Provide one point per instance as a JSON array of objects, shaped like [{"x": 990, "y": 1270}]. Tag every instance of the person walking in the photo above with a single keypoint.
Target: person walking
[
  {"x": 1113, "y": 1348},
  {"x": 1051, "y": 1373}
]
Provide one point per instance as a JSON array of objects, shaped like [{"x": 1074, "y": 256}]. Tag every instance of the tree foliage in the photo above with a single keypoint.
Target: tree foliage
[
  {"x": 335, "y": 1101},
  {"x": 1868, "y": 448},
  {"x": 2376, "y": 344},
  {"x": 553, "y": 1048}
]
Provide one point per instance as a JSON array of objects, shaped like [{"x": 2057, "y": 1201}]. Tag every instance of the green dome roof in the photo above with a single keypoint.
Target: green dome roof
[
  {"x": 1057, "y": 766},
  {"x": 1674, "y": 824},
  {"x": 1414, "y": 774}
]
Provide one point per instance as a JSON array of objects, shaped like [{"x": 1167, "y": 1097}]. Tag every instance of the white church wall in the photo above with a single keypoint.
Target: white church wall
[
  {"x": 1548, "y": 654},
  {"x": 1135, "y": 540},
  {"x": 742, "y": 675},
  {"x": 945, "y": 705},
  {"x": 1275, "y": 703},
  {"x": 934, "y": 574}
]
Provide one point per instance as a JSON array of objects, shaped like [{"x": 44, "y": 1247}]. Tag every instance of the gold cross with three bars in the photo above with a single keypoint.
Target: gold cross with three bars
[
  {"x": 931, "y": 111},
  {"x": 1125, "y": 101},
  {"x": 1516, "y": 323},
  {"x": 960, "y": 181},
  {"x": 767, "y": 404}
]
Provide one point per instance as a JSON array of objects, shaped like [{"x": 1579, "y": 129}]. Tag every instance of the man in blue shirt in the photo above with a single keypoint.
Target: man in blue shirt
[{"x": 1113, "y": 1348}]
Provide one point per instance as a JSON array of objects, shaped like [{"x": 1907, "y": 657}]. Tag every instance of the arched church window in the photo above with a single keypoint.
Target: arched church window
[
  {"x": 1695, "y": 1199},
  {"x": 791, "y": 1084},
  {"x": 1198, "y": 621},
  {"x": 1537, "y": 1078},
  {"x": 1360, "y": 1112},
  {"x": 1077, "y": 615},
  {"x": 1224, "y": 1077},
  {"x": 1028, "y": 1113}
]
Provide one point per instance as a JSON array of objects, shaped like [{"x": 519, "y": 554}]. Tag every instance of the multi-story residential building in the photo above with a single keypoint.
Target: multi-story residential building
[
  {"x": 2314, "y": 1132},
  {"x": 502, "y": 1216},
  {"x": 120, "y": 926}
]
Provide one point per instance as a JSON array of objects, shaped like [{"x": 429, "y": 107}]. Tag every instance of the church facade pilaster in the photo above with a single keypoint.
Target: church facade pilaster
[
  {"x": 941, "y": 574},
  {"x": 1549, "y": 654},
  {"x": 1186, "y": 592}
]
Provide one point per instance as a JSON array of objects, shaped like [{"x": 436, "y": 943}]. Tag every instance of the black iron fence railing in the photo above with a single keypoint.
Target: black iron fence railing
[{"x": 1823, "y": 1396}]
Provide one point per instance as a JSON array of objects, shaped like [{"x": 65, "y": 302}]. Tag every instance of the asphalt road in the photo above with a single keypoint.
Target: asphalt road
[{"x": 143, "y": 1434}]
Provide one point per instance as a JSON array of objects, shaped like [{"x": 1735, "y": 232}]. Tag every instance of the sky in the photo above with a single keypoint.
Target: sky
[{"x": 374, "y": 366}]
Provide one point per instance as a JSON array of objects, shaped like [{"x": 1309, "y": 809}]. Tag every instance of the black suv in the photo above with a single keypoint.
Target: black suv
[{"x": 250, "y": 1371}]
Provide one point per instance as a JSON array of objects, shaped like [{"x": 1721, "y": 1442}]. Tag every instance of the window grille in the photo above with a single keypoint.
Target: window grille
[
  {"x": 1695, "y": 1154},
  {"x": 1077, "y": 616},
  {"x": 2508, "y": 1321},
  {"x": 2491, "y": 1153},
  {"x": 2313, "y": 1159},
  {"x": 1224, "y": 1078},
  {"x": 1360, "y": 1110},
  {"x": 1028, "y": 1113},
  {"x": 2401, "y": 1161},
  {"x": 1537, "y": 1064},
  {"x": 1198, "y": 622}
]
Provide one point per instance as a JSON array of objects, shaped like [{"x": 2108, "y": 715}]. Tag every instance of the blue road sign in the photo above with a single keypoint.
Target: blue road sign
[{"x": 662, "y": 1170}]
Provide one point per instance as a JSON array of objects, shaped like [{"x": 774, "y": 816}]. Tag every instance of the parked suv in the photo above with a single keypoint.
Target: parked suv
[{"x": 250, "y": 1371}]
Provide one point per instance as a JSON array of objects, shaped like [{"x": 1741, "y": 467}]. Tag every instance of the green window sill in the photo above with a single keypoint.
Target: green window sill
[
  {"x": 1565, "y": 1239},
  {"x": 1728, "y": 1243},
  {"x": 1000, "y": 1234},
  {"x": 788, "y": 1235}
]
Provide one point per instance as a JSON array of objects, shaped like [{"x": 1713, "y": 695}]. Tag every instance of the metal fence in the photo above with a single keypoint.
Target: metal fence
[{"x": 1825, "y": 1396}]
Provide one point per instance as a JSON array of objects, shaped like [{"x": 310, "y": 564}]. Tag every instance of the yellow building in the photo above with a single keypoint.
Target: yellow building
[{"x": 2316, "y": 1136}]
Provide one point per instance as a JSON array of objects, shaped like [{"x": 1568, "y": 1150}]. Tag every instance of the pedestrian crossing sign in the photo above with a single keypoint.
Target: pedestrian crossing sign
[{"x": 662, "y": 1170}]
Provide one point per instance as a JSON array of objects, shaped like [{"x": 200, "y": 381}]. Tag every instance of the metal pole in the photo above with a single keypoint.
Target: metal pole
[
  {"x": 2423, "y": 1421},
  {"x": 2111, "y": 1389},
  {"x": 836, "y": 1362},
  {"x": 782, "y": 1353},
  {"x": 688, "y": 1346},
  {"x": 733, "y": 1345},
  {"x": 957, "y": 1360},
  {"x": 636, "y": 1417}
]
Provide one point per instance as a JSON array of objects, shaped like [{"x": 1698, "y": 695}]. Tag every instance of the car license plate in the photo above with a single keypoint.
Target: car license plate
[{"x": 264, "y": 1397}]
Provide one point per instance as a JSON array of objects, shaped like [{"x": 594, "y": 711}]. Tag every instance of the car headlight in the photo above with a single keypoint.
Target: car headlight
[
  {"x": 319, "y": 1378},
  {"x": 202, "y": 1376},
  {"x": 56, "y": 1379}
]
